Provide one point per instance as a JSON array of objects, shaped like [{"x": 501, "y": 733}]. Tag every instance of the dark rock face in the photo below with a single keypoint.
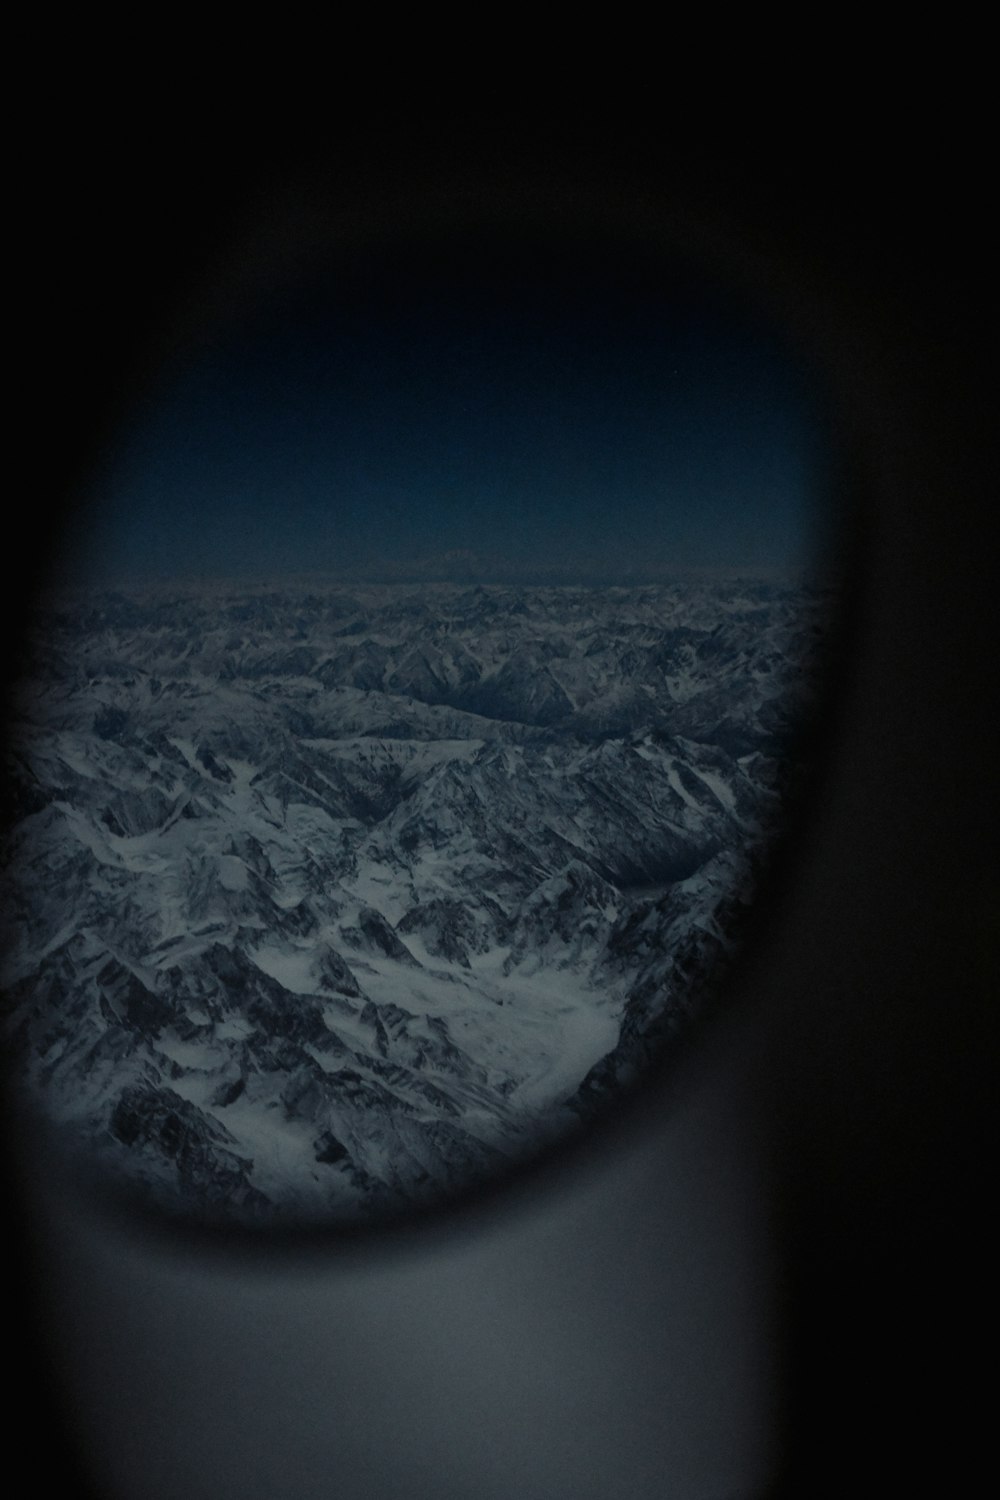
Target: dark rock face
[
  {"x": 677, "y": 946},
  {"x": 447, "y": 928},
  {"x": 326, "y": 902},
  {"x": 171, "y": 1134},
  {"x": 374, "y": 935}
]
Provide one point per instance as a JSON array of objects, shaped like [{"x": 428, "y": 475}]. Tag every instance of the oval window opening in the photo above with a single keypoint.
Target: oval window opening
[{"x": 406, "y": 724}]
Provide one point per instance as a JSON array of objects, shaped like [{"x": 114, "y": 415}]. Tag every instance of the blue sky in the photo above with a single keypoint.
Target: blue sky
[{"x": 583, "y": 409}]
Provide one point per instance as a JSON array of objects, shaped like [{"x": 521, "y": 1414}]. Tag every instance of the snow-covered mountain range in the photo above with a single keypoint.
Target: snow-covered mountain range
[{"x": 325, "y": 901}]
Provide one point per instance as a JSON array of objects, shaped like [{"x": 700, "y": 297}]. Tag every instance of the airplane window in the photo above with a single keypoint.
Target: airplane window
[{"x": 410, "y": 713}]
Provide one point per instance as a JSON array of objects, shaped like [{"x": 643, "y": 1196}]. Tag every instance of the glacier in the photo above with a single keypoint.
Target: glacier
[{"x": 331, "y": 899}]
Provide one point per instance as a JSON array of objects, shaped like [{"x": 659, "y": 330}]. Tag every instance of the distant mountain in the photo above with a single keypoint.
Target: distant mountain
[{"x": 325, "y": 901}]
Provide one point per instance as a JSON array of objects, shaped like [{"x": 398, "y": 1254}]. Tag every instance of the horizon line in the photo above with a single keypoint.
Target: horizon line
[{"x": 415, "y": 576}]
